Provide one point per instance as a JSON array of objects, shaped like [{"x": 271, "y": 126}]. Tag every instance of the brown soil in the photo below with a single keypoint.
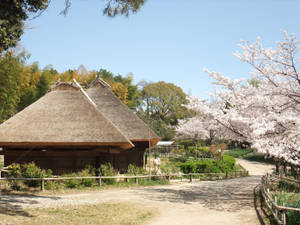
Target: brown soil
[{"x": 206, "y": 202}]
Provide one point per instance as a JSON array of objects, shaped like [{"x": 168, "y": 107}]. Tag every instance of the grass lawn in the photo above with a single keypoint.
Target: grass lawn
[{"x": 104, "y": 213}]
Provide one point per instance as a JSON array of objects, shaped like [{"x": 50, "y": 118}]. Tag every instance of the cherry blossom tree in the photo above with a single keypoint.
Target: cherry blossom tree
[{"x": 264, "y": 110}]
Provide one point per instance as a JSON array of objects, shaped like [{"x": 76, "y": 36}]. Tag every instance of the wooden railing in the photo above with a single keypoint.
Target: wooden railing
[
  {"x": 278, "y": 212},
  {"x": 190, "y": 177}
]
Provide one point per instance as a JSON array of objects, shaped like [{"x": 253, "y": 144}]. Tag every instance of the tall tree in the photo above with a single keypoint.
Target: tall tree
[
  {"x": 266, "y": 110},
  {"x": 160, "y": 106},
  {"x": 164, "y": 100},
  {"x": 123, "y": 87},
  {"x": 11, "y": 68},
  {"x": 13, "y": 14}
]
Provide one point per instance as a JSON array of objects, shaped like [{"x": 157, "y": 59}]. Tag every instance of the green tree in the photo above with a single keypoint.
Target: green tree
[
  {"x": 11, "y": 70},
  {"x": 13, "y": 14},
  {"x": 160, "y": 106},
  {"x": 123, "y": 87},
  {"x": 164, "y": 100}
]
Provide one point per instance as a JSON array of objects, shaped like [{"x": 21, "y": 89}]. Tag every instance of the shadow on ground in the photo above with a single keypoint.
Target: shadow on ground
[
  {"x": 229, "y": 195},
  {"x": 11, "y": 204}
]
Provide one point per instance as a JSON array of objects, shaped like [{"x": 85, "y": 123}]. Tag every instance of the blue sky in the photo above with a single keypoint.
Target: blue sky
[{"x": 169, "y": 40}]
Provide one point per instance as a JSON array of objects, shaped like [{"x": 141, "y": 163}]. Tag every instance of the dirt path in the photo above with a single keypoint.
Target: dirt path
[
  {"x": 207, "y": 202},
  {"x": 256, "y": 168}
]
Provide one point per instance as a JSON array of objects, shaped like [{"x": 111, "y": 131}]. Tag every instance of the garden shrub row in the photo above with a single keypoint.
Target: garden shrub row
[
  {"x": 227, "y": 164},
  {"x": 237, "y": 153},
  {"x": 30, "y": 170}
]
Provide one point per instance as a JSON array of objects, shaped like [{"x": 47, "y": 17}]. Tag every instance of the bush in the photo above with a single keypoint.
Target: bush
[
  {"x": 227, "y": 164},
  {"x": 228, "y": 160},
  {"x": 30, "y": 170},
  {"x": 135, "y": 170},
  {"x": 72, "y": 183},
  {"x": 108, "y": 170},
  {"x": 87, "y": 182},
  {"x": 239, "y": 152},
  {"x": 14, "y": 170}
]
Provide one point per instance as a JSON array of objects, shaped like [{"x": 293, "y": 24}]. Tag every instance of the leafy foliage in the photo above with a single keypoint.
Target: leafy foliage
[
  {"x": 13, "y": 14},
  {"x": 122, "y": 7},
  {"x": 227, "y": 164},
  {"x": 236, "y": 153},
  {"x": 161, "y": 107},
  {"x": 108, "y": 170},
  {"x": 29, "y": 170}
]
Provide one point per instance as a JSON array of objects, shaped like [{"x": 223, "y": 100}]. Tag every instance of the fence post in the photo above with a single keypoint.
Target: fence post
[
  {"x": 169, "y": 178},
  {"x": 191, "y": 178},
  {"x": 99, "y": 181},
  {"x": 42, "y": 184},
  {"x": 283, "y": 215},
  {"x": 137, "y": 180},
  {"x": 226, "y": 176}
]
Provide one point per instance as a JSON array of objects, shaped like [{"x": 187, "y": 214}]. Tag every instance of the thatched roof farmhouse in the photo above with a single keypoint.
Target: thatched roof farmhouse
[{"x": 68, "y": 129}]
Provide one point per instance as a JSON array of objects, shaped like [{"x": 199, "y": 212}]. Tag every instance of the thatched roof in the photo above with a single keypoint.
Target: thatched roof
[
  {"x": 64, "y": 116},
  {"x": 114, "y": 109}
]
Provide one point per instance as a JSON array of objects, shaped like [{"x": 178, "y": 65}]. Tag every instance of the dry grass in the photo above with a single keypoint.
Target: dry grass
[{"x": 104, "y": 213}]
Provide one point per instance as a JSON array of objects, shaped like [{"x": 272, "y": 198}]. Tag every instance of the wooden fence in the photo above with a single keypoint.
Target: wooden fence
[
  {"x": 279, "y": 212},
  {"x": 190, "y": 177}
]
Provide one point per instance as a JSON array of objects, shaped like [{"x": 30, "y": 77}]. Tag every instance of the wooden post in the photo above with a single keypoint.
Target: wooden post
[
  {"x": 226, "y": 175},
  {"x": 99, "y": 182},
  {"x": 0, "y": 189},
  {"x": 137, "y": 180},
  {"x": 149, "y": 147},
  {"x": 42, "y": 184},
  {"x": 169, "y": 178},
  {"x": 191, "y": 178},
  {"x": 283, "y": 215}
]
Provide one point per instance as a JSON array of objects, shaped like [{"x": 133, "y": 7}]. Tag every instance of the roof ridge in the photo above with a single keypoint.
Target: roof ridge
[
  {"x": 99, "y": 80},
  {"x": 99, "y": 111}
]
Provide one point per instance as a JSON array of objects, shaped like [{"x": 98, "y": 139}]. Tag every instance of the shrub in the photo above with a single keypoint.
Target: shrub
[
  {"x": 72, "y": 183},
  {"x": 239, "y": 152},
  {"x": 30, "y": 170},
  {"x": 14, "y": 170},
  {"x": 135, "y": 170},
  {"x": 229, "y": 160},
  {"x": 227, "y": 164},
  {"x": 217, "y": 150},
  {"x": 107, "y": 170},
  {"x": 88, "y": 172}
]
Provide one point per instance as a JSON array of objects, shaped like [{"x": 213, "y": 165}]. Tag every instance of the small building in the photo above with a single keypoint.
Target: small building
[{"x": 65, "y": 131}]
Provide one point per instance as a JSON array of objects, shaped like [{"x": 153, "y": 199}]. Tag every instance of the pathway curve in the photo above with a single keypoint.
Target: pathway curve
[{"x": 206, "y": 202}]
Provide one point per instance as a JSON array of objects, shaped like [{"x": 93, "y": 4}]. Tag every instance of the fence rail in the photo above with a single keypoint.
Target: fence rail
[
  {"x": 278, "y": 212},
  {"x": 190, "y": 176}
]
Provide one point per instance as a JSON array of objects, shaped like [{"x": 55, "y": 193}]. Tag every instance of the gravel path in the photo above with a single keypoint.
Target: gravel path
[{"x": 206, "y": 202}]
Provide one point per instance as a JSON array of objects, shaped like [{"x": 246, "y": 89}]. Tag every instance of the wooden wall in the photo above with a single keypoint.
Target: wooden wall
[{"x": 62, "y": 161}]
